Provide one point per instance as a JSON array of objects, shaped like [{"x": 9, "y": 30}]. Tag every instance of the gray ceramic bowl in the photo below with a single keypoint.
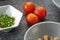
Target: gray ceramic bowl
[
  {"x": 38, "y": 30},
  {"x": 57, "y": 3}
]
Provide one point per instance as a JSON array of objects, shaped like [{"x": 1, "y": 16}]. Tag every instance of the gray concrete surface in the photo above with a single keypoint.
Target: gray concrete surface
[{"x": 53, "y": 14}]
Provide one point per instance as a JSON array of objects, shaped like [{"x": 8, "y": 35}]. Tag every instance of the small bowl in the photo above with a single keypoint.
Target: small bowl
[
  {"x": 43, "y": 28},
  {"x": 11, "y": 11},
  {"x": 57, "y": 3}
]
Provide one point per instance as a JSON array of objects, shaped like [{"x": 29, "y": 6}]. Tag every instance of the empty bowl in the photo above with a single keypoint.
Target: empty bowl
[
  {"x": 57, "y": 3},
  {"x": 43, "y": 28},
  {"x": 11, "y": 11}
]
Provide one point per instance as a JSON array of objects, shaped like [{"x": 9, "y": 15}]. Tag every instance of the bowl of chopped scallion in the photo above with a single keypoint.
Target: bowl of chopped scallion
[{"x": 9, "y": 18}]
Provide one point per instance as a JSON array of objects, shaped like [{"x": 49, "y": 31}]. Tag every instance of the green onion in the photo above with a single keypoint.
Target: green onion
[{"x": 6, "y": 21}]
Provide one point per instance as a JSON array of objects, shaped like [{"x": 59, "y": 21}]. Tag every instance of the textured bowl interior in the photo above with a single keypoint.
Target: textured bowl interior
[
  {"x": 57, "y": 3},
  {"x": 40, "y": 29}
]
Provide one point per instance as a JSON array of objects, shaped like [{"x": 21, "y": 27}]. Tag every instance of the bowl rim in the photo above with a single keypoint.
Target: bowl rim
[
  {"x": 55, "y": 3},
  {"x": 37, "y": 24}
]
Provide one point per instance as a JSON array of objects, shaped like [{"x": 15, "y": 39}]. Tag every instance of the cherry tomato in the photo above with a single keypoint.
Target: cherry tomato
[
  {"x": 29, "y": 7},
  {"x": 31, "y": 19},
  {"x": 40, "y": 12}
]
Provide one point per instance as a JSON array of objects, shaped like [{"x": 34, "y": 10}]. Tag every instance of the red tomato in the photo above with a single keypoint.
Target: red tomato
[
  {"x": 40, "y": 12},
  {"x": 29, "y": 7},
  {"x": 31, "y": 19}
]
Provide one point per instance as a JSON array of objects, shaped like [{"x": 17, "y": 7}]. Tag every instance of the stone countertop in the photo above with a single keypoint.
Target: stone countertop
[{"x": 53, "y": 14}]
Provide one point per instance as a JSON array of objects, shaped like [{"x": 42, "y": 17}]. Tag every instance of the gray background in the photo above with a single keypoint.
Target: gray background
[{"x": 53, "y": 14}]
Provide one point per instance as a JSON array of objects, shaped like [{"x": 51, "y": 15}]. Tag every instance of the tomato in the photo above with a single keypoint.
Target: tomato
[
  {"x": 40, "y": 12},
  {"x": 29, "y": 7},
  {"x": 31, "y": 19}
]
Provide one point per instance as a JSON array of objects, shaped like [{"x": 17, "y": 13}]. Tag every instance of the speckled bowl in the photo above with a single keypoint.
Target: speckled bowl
[{"x": 38, "y": 30}]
